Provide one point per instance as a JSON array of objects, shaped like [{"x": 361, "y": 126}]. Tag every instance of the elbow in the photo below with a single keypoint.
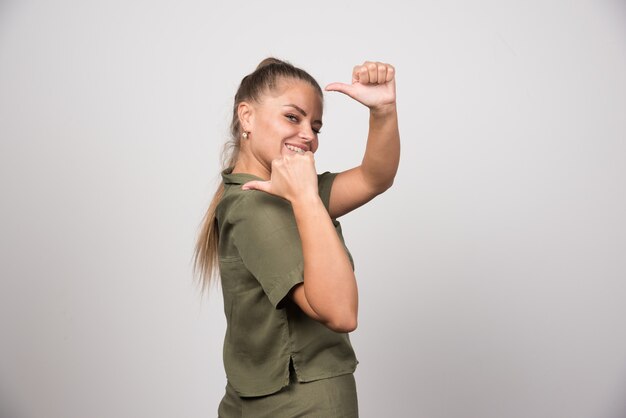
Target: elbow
[
  {"x": 386, "y": 186},
  {"x": 381, "y": 186},
  {"x": 344, "y": 325}
]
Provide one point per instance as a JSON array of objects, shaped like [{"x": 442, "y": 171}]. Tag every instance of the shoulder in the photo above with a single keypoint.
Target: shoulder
[{"x": 238, "y": 205}]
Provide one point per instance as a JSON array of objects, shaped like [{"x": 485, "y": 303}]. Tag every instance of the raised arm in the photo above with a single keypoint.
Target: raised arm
[{"x": 373, "y": 85}]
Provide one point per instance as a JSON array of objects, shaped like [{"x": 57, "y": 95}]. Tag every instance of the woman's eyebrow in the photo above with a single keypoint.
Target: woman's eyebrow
[{"x": 299, "y": 109}]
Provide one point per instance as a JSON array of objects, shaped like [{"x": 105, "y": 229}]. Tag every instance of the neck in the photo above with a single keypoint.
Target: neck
[{"x": 250, "y": 165}]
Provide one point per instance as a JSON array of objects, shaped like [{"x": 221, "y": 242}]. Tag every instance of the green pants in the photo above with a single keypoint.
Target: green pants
[{"x": 334, "y": 397}]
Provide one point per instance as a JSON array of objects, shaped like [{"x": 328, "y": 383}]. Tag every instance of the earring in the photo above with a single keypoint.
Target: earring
[{"x": 245, "y": 135}]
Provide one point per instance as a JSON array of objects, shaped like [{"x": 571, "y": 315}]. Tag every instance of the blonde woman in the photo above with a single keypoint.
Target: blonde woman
[{"x": 271, "y": 232}]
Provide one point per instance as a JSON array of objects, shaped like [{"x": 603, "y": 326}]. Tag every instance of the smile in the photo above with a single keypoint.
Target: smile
[{"x": 295, "y": 149}]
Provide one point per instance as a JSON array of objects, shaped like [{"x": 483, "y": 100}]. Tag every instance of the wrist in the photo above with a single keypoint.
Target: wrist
[
  {"x": 385, "y": 110},
  {"x": 306, "y": 202}
]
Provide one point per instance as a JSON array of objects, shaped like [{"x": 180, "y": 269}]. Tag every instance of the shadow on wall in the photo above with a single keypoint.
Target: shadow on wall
[
  {"x": 7, "y": 410},
  {"x": 6, "y": 7},
  {"x": 619, "y": 409}
]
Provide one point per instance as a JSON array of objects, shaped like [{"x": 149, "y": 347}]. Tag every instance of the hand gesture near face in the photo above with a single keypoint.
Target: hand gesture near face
[
  {"x": 292, "y": 178},
  {"x": 373, "y": 84}
]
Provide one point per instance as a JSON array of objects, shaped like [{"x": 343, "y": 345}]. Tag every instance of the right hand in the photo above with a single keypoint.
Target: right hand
[
  {"x": 293, "y": 177},
  {"x": 373, "y": 84}
]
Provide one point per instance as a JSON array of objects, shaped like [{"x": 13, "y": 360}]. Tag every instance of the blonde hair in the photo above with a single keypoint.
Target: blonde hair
[{"x": 263, "y": 79}]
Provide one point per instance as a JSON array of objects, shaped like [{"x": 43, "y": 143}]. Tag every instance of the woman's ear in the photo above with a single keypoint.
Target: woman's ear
[{"x": 245, "y": 112}]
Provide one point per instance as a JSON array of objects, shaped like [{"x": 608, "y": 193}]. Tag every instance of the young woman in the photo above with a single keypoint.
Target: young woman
[{"x": 290, "y": 294}]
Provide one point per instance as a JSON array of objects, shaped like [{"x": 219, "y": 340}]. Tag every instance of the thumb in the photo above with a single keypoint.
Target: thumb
[
  {"x": 263, "y": 186},
  {"x": 340, "y": 87}
]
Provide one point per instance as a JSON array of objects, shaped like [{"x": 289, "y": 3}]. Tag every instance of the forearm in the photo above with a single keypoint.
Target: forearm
[
  {"x": 382, "y": 152},
  {"x": 329, "y": 282}
]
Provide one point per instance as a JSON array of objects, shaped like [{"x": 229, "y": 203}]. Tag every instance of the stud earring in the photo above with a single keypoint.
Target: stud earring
[{"x": 245, "y": 135}]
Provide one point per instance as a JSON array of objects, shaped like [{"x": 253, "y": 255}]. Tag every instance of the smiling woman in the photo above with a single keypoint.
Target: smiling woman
[{"x": 290, "y": 293}]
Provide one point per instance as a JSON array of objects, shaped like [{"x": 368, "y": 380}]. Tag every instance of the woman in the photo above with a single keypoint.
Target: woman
[{"x": 290, "y": 294}]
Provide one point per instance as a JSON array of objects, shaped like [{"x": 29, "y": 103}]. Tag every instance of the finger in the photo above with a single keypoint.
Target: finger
[
  {"x": 372, "y": 70},
  {"x": 382, "y": 73},
  {"x": 391, "y": 72},
  {"x": 340, "y": 87},
  {"x": 264, "y": 186},
  {"x": 309, "y": 156},
  {"x": 363, "y": 74},
  {"x": 355, "y": 73}
]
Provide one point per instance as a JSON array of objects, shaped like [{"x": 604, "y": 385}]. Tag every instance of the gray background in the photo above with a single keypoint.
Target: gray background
[{"x": 491, "y": 276}]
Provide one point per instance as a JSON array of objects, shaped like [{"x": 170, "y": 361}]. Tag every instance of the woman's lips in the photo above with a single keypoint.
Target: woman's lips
[{"x": 301, "y": 149}]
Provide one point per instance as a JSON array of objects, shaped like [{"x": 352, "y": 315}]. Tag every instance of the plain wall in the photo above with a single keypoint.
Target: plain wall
[{"x": 491, "y": 276}]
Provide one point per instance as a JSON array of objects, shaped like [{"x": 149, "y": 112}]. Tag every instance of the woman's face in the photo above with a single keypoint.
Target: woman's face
[{"x": 286, "y": 121}]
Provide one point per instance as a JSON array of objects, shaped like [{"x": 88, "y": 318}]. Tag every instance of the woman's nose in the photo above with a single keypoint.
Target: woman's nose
[{"x": 307, "y": 134}]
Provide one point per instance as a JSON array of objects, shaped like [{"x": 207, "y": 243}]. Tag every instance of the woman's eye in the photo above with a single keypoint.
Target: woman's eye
[{"x": 294, "y": 118}]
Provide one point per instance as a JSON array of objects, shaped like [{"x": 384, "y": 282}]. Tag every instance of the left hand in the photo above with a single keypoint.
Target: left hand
[{"x": 373, "y": 84}]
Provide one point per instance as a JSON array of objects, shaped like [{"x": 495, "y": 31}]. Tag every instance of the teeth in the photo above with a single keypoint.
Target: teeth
[{"x": 295, "y": 149}]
